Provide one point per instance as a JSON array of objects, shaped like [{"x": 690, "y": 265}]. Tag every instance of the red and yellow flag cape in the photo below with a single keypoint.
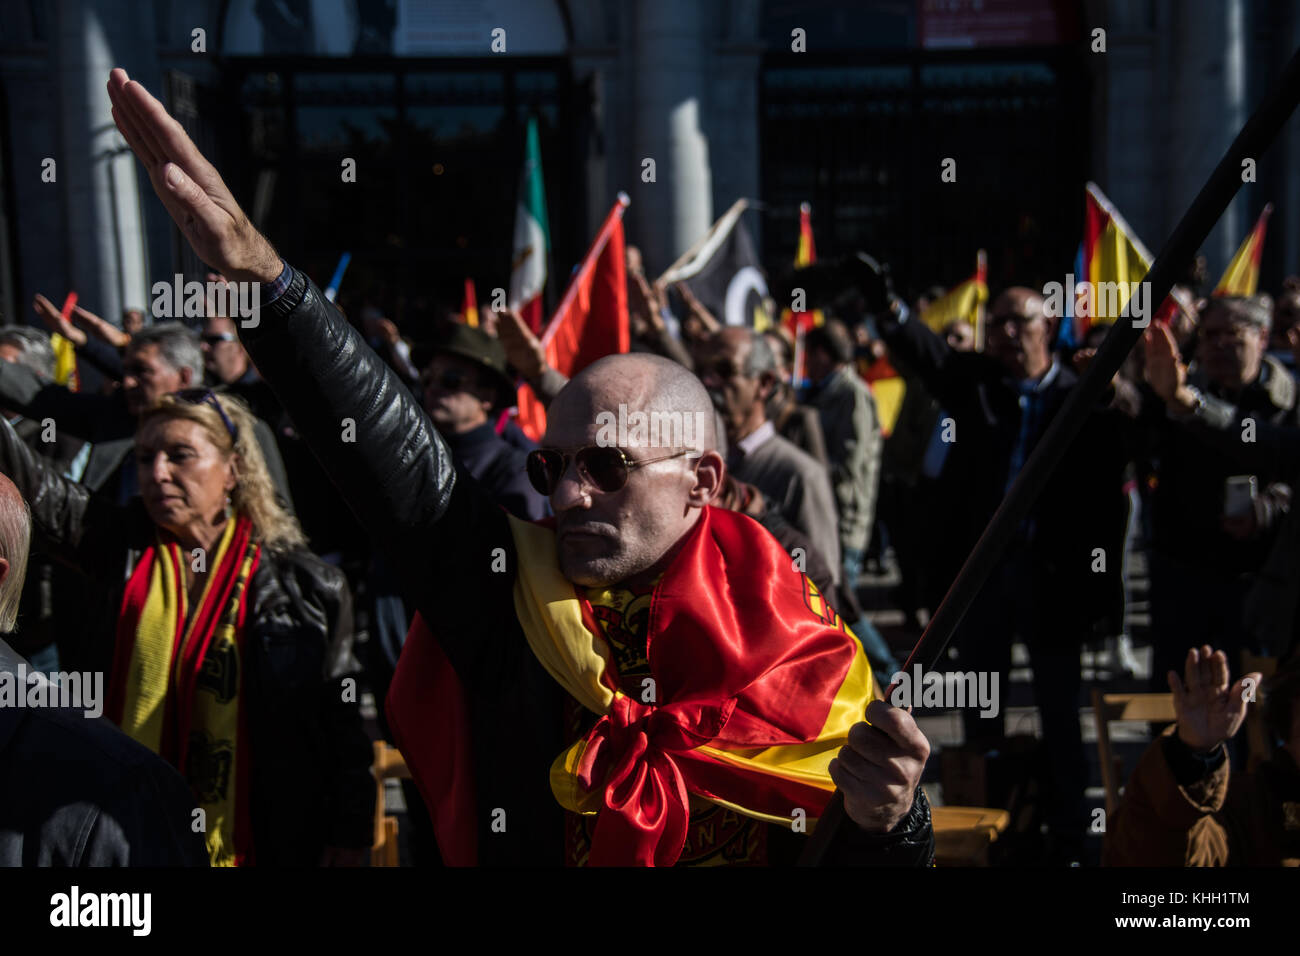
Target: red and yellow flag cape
[{"x": 757, "y": 682}]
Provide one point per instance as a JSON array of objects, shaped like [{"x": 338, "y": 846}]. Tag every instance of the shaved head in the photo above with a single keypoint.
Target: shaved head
[
  {"x": 607, "y": 537},
  {"x": 640, "y": 382}
]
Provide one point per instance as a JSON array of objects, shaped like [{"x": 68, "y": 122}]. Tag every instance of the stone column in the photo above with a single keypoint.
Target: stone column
[
  {"x": 1207, "y": 107},
  {"x": 105, "y": 240},
  {"x": 670, "y": 214}
]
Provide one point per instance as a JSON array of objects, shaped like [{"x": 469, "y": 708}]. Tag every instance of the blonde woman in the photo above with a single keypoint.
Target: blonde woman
[{"x": 231, "y": 640}]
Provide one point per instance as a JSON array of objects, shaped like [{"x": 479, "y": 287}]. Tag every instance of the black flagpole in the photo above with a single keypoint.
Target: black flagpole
[{"x": 1187, "y": 237}]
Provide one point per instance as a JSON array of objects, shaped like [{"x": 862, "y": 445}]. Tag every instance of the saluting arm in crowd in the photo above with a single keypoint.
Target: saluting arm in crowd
[
  {"x": 1172, "y": 813},
  {"x": 1270, "y": 449},
  {"x": 376, "y": 442}
]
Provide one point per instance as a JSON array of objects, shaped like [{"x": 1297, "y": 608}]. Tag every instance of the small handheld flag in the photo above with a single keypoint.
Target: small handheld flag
[
  {"x": 332, "y": 289},
  {"x": 469, "y": 310},
  {"x": 65, "y": 353},
  {"x": 1242, "y": 275}
]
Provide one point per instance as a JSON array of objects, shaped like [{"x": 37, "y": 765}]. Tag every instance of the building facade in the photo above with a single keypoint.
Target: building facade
[{"x": 920, "y": 129}]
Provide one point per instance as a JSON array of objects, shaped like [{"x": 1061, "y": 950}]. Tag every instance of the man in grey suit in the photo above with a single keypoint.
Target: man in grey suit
[
  {"x": 852, "y": 431},
  {"x": 739, "y": 370}
]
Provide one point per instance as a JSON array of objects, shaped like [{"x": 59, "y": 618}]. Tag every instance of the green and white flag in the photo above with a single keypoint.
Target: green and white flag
[{"x": 532, "y": 236}]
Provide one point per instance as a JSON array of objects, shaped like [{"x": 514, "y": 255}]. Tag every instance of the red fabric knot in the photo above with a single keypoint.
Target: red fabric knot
[{"x": 646, "y": 804}]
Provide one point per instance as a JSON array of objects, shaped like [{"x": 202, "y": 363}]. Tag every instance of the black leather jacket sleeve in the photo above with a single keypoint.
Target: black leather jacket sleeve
[
  {"x": 355, "y": 414},
  {"x": 76, "y": 526},
  {"x": 911, "y": 843},
  {"x": 392, "y": 468}
]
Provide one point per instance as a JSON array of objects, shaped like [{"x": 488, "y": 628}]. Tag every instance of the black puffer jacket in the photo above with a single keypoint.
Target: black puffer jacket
[
  {"x": 311, "y": 784},
  {"x": 444, "y": 537}
]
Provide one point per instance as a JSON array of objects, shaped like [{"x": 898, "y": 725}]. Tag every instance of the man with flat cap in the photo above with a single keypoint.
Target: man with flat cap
[{"x": 466, "y": 384}]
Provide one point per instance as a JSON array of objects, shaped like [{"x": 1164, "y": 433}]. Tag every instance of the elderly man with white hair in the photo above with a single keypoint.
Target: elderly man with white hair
[{"x": 1217, "y": 506}]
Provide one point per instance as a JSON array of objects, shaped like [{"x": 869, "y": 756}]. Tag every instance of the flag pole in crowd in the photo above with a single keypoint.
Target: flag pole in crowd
[
  {"x": 65, "y": 353},
  {"x": 1110, "y": 251},
  {"x": 723, "y": 271},
  {"x": 964, "y": 301},
  {"x": 532, "y": 240},
  {"x": 680, "y": 269},
  {"x": 336, "y": 280},
  {"x": 469, "y": 308},
  {"x": 1242, "y": 275},
  {"x": 591, "y": 320},
  {"x": 1192, "y": 230},
  {"x": 798, "y": 323}
]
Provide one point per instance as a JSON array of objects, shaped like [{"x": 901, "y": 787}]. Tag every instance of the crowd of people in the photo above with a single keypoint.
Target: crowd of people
[{"x": 218, "y": 522}]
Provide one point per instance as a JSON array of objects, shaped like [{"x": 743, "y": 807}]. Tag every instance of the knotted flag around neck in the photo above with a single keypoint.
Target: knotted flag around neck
[{"x": 757, "y": 681}]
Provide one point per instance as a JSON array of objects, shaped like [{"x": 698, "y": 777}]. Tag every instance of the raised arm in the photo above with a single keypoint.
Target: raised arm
[{"x": 361, "y": 422}]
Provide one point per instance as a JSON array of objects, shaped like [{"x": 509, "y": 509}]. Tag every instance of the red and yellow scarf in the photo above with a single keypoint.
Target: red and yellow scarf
[
  {"x": 177, "y": 678},
  {"x": 756, "y": 684}
]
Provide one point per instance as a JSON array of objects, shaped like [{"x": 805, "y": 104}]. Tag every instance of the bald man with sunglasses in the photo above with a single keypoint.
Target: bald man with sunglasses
[{"x": 648, "y": 680}]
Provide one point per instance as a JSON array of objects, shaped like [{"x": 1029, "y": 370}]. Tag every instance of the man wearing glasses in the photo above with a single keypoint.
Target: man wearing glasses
[
  {"x": 1219, "y": 502},
  {"x": 728, "y": 693},
  {"x": 1048, "y": 590}
]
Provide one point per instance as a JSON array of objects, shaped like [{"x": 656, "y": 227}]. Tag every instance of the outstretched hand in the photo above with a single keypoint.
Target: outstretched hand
[
  {"x": 1163, "y": 366},
  {"x": 55, "y": 322},
  {"x": 190, "y": 187},
  {"x": 1209, "y": 711},
  {"x": 523, "y": 349},
  {"x": 99, "y": 328}
]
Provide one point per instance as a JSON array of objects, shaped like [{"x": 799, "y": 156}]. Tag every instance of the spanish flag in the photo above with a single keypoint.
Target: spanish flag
[
  {"x": 757, "y": 683},
  {"x": 65, "y": 353},
  {"x": 1242, "y": 274},
  {"x": 798, "y": 323},
  {"x": 469, "y": 309},
  {"x": 964, "y": 301},
  {"x": 887, "y": 388},
  {"x": 1110, "y": 252},
  {"x": 591, "y": 320}
]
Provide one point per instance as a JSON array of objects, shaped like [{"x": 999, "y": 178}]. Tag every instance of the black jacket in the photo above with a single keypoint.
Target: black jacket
[
  {"x": 76, "y": 791},
  {"x": 442, "y": 534},
  {"x": 311, "y": 785},
  {"x": 1082, "y": 508},
  {"x": 498, "y": 467},
  {"x": 1193, "y": 464}
]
